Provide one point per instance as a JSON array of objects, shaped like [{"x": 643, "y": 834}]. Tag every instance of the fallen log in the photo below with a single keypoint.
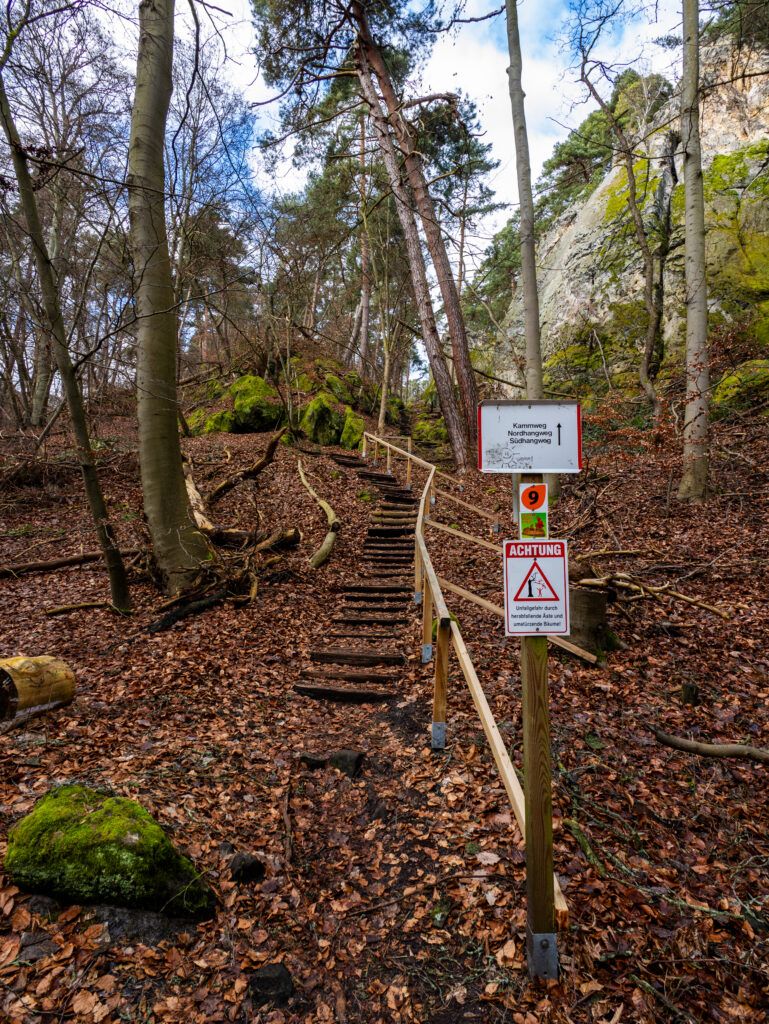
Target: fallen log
[
  {"x": 324, "y": 551},
  {"x": 248, "y": 474},
  {"x": 186, "y": 610},
  {"x": 280, "y": 540},
  {"x": 34, "y": 685},
  {"x": 742, "y": 750},
  {"x": 58, "y": 563},
  {"x": 224, "y": 536}
]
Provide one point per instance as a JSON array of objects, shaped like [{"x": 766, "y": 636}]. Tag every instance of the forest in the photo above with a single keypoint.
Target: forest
[{"x": 280, "y": 298}]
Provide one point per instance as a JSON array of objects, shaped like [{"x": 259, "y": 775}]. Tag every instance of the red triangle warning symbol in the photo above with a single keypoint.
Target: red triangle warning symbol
[{"x": 535, "y": 586}]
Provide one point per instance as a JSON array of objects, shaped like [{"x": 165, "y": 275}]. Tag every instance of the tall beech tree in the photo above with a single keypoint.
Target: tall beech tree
[
  {"x": 179, "y": 548},
  {"x": 695, "y": 471}
]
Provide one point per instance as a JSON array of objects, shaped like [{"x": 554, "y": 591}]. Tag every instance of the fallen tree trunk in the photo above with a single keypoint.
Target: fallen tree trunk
[
  {"x": 324, "y": 551},
  {"x": 222, "y": 535},
  {"x": 280, "y": 540},
  {"x": 712, "y": 749},
  {"x": 34, "y": 683},
  {"x": 58, "y": 563},
  {"x": 248, "y": 474}
]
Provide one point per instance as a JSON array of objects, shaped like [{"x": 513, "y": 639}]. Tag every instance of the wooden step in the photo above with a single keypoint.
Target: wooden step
[
  {"x": 377, "y": 609},
  {"x": 351, "y": 675},
  {"x": 397, "y": 600},
  {"x": 343, "y": 695},
  {"x": 348, "y": 656},
  {"x": 384, "y": 588},
  {"x": 371, "y": 620},
  {"x": 385, "y": 633}
]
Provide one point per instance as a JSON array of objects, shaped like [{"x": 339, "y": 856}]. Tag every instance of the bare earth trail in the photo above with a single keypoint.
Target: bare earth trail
[{"x": 398, "y": 894}]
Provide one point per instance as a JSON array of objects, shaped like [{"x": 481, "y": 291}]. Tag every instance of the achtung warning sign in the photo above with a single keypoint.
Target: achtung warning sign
[{"x": 536, "y": 587}]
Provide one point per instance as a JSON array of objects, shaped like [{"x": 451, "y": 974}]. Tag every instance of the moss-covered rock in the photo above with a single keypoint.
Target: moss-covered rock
[
  {"x": 352, "y": 432},
  {"x": 306, "y": 384},
  {"x": 196, "y": 420},
  {"x": 338, "y": 388},
  {"x": 83, "y": 846},
  {"x": 428, "y": 430},
  {"x": 256, "y": 404},
  {"x": 745, "y": 386},
  {"x": 220, "y": 421},
  {"x": 321, "y": 422}
]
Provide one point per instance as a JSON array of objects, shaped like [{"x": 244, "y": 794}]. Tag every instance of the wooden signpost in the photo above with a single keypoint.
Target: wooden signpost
[{"x": 534, "y": 438}]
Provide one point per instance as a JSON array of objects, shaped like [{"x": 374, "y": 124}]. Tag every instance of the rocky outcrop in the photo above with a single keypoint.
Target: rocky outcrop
[{"x": 590, "y": 272}]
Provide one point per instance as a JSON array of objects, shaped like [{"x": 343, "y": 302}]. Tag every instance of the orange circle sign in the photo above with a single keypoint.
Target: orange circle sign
[{"x": 533, "y": 496}]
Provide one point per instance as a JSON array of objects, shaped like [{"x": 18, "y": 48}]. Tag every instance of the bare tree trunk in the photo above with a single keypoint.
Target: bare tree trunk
[
  {"x": 455, "y": 423},
  {"x": 534, "y": 386},
  {"x": 387, "y": 345},
  {"x": 55, "y": 325},
  {"x": 436, "y": 246},
  {"x": 178, "y": 546},
  {"x": 365, "y": 257},
  {"x": 694, "y": 481}
]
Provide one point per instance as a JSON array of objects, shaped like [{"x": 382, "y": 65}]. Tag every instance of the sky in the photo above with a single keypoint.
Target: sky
[{"x": 473, "y": 59}]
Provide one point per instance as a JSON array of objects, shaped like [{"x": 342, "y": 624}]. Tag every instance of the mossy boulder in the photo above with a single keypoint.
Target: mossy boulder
[
  {"x": 196, "y": 420},
  {"x": 428, "y": 430},
  {"x": 395, "y": 410},
  {"x": 223, "y": 421},
  {"x": 338, "y": 388},
  {"x": 321, "y": 422},
  {"x": 256, "y": 405},
  {"x": 352, "y": 432},
  {"x": 84, "y": 846},
  {"x": 306, "y": 384},
  {"x": 745, "y": 386}
]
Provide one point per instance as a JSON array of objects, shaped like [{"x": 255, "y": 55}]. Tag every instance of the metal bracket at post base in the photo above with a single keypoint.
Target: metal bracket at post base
[
  {"x": 438, "y": 741},
  {"x": 417, "y": 597},
  {"x": 427, "y": 653},
  {"x": 542, "y": 954}
]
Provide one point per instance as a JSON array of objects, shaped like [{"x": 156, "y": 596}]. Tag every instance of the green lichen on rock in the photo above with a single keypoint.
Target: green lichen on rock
[
  {"x": 256, "y": 404},
  {"x": 427, "y": 430},
  {"x": 352, "y": 432},
  {"x": 83, "y": 846},
  {"x": 321, "y": 422},
  {"x": 646, "y": 182},
  {"x": 338, "y": 388},
  {"x": 223, "y": 421},
  {"x": 745, "y": 386},
  {"x": 306, "y": 384}
]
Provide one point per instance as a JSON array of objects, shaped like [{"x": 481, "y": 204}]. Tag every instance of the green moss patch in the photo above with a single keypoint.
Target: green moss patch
[
  {"x": 220, "y": 421},
  {"x": 744, "y": 387},
  {"x": 428, "y": 430},
  {"x": 83, "y": 846},
  {"x": 321, "y": 422},
  {"x": 256, "y": 405},
  {"x": 352, "y": 431},
  {"x": 338, "y": 388}
]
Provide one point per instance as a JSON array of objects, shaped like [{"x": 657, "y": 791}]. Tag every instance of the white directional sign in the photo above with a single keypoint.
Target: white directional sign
[
  {"x": 529, "y": 437},
  {"x": 536, "y": 588}
]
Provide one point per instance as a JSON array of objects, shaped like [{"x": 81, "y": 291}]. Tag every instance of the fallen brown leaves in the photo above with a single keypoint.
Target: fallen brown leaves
[{"x": 403, "y": 898}]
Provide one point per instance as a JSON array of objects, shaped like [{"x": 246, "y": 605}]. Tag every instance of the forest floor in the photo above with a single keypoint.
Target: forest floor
[{"x": 399, "y": 895}]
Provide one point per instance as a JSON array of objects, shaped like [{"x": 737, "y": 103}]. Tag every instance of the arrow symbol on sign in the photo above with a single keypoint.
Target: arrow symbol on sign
[{"x": 559, "y": 433}]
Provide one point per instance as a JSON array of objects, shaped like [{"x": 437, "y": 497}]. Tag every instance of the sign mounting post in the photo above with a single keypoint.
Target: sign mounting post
[{"x": 531, "y": 439}]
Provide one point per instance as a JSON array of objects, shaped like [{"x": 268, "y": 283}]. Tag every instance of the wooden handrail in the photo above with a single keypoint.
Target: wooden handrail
[
  {"x": 465, "y": 536},
  {"x": 501, "y": 757},
  {"x": 466, "y": 504}
]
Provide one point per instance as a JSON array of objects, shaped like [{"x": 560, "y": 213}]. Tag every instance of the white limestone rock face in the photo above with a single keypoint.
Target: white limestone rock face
[{"x": 588, "y": 263}]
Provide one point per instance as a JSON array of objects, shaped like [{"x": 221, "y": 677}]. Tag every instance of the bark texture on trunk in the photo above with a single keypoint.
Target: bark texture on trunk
[
  {"x": 178, "y": 546},
  {"x": 426, "y": 208},
  {"x": 365, "y": 256},
  {"x": 523, "y": 169},
  {"x": 455, "y": 424},
  {"x": 694, "y": 481},
  {"x": 58, "y": 338}
]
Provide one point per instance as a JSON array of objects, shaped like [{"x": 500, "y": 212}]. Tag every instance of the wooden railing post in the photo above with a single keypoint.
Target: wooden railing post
[
  {"x": 365, "y": 445},
  {"x": 408, "y": 465},
  {"x": 427, "y": 621},
  {"x": 418, "y": 577},
  {"x": 376, "y": 452},
  {"x": 389, "y": 460},
  {"x": 441, "y": 683}
]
